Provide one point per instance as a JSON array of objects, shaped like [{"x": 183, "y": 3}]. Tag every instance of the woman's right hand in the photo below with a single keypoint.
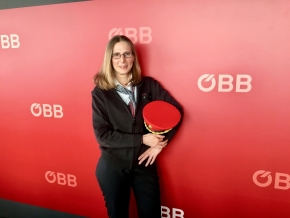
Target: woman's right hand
[{"x": 154, "y": 140}]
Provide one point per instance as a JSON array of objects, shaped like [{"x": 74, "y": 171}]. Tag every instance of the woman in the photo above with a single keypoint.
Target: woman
[{"x": 128, "y": 150}]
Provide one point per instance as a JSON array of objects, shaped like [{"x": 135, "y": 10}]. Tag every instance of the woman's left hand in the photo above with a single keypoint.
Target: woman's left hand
[{"x": 151, "y": 154}]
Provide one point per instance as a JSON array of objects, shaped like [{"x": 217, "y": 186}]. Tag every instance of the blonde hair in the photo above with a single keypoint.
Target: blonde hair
[{"x": 105, "y": 78}]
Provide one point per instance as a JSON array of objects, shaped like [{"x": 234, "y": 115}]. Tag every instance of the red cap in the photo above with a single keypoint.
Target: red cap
[{"x": 160, "y": 116}]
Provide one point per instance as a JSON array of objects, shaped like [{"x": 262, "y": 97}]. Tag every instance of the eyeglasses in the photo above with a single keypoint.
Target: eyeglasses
[{"x": 119, "y": 55}]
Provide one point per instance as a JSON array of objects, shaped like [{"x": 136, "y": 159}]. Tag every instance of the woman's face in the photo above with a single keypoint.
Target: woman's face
[{"x": 123, "y": 64}]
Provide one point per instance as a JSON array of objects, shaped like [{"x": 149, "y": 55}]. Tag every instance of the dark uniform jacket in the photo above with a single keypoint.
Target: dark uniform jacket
[{"x": 118, "y": 133}]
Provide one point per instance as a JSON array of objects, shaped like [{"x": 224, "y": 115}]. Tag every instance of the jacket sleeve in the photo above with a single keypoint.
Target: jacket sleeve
[
  {"x": 103, "y": 129},
  {"x": 159, "y": 93}
]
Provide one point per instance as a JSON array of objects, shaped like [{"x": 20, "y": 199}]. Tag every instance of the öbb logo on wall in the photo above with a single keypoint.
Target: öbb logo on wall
[
  {"x": 143, "y": 35},
  {"x": 225, "y": 83},
  {"x": 264, "y": 178},
  {"x": 9, "y": 41},
  {"x": 174, "y": 213},
  {"x": 61, "y": 179},
  {"x": 46, "y": 110}
]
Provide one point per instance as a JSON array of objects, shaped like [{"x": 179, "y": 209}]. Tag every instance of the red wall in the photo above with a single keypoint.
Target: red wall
[{"x": 231, "y": 155}]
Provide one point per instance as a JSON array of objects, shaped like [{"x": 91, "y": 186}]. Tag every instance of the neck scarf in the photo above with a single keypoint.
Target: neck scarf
[{"x": 131, "y": 95}]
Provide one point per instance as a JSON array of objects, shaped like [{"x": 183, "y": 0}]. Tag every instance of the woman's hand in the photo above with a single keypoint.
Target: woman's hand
[
  {"x": 153, "y": 140},
  {"x": 156, "y": 144},
  {"x": 151, "y": 154}
]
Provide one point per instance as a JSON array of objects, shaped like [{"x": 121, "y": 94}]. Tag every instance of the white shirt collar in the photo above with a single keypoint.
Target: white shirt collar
[
  {"x": 129, "y": 85},
  {"x": 125, "y": 97}
]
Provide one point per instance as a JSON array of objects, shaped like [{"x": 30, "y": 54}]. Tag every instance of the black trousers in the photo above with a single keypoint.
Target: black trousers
[{"x": 116, "y": 182}]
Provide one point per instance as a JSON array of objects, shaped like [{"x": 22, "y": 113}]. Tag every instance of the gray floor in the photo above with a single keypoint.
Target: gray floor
[{"x": 11, "y": 209}]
